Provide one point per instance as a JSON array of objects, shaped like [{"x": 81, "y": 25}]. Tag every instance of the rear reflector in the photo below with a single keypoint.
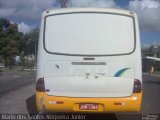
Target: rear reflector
[
  {"x": 60, "y": 102},
  {"x": 137, "y": 86},
  {"x": 40, "y": 85},
  {"x": 119, "y": 103},
  {"x": 55, "y": 102}
]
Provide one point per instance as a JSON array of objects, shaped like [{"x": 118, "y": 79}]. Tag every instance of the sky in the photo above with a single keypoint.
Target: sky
[{"x": 27, "y": 13}]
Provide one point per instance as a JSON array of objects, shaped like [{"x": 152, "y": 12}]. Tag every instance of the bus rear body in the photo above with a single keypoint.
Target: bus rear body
[{"x": 89, "y": 60}]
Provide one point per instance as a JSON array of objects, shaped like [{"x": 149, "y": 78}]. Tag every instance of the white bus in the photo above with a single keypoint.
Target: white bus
[{"x": 89, "y": 60}]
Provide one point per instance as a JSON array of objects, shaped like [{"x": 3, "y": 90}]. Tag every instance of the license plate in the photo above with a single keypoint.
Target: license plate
[{"x": 88, "y": 106}]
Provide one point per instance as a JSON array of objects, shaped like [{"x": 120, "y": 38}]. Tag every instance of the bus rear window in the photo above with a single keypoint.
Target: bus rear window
[{"x": 89, "y": 34}]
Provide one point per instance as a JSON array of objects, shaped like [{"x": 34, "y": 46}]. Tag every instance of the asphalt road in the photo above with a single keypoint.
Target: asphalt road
[
  {"x": 151, "y": 94},
  {"x": 17, "y": 95},
  {"x": 12, "y": 80}
]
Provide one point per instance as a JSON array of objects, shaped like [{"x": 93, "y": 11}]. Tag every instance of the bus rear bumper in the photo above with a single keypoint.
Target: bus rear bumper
[{"x": 48, "y": 103}]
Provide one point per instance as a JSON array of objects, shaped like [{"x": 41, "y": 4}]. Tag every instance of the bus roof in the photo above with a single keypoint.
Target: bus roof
[{"x": 70, "y": 10}]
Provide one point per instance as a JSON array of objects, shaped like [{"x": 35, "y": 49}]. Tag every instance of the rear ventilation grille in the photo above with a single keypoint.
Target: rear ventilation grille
[{"x": 88, "y": 63}]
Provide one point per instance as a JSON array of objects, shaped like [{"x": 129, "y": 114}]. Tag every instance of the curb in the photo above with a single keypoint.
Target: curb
[{"x": 26, "y": 69}]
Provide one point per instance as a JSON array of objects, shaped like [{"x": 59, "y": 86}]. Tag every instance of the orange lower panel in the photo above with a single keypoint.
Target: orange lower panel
[{"x": 69, "y": 104}]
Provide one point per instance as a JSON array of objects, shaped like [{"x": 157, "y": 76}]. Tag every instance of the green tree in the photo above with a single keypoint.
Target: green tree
[
  {"x": 31, "y": 42},
  {"x": 11, "y": 41},
  {"x": 31, "y": 39}
]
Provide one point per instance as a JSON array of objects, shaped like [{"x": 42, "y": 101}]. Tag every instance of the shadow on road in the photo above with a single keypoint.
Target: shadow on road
[
  {"x": 86, "y": 116},
  {"x": 31, "y": 104},
  {"x": 108, "y": 116}
]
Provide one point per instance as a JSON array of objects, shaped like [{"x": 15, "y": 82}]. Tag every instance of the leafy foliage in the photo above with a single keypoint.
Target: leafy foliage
[
  {"x": 13, "y": 42},
  {"x": 31, "y": 41}
]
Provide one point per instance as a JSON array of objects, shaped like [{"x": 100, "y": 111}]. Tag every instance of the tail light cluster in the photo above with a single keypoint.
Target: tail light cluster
[
  {"x": 40, "y": 85},
  {"x": 137, "y": 86}
]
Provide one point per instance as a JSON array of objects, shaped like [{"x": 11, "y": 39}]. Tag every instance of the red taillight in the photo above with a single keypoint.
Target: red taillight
[
  {"x": 40, "y": 85},
  {"x": 137, "y": 86}
]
